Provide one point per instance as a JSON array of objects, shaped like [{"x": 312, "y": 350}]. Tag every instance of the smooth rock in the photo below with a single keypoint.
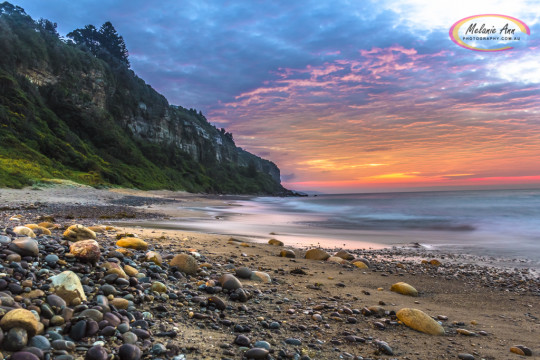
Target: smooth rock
[
  {"x": 25, "y": 247},
  {"x": 257, "y": 353},
  {"x": 336, "y": 259},
  {"x": 121, "y": 303},
  {"x": 242, "y": 340},
  {"x": 243, "y": 272},
  {"x": 86, "y": 250},
  {"x": 40, "y": 342},
  {"x": 420, "y": 321},
  {"x": 287, "y": 254},
  {"x": 24, "y": 355},
  {"x": 68, "y": 286},
  {"x": 158, "y": 287},
  {"x": 344, "y": 255},
  {"x": 217, "y": 302},
  {"x": 130, "y": 271},
  {"x": 129, "y": 352},
  {"x": 132, "y": 243},
  {"x": 260, "y": 276},
  {"x": 185, "y": 263},
  {"x": 275, "y": 242},
  {"x": 229, "y": 282},
  {"x": 78, "y": 232},
  {"x": 464, "y": 356},
  {"x": 360, "y": 264},
  {"x": 96, "y": 353},
  {"x": 51, "y": 259},
  {"x": 93, "y": 314},
  {"x": 316, "y": 254},
  {"x": 153, "y": 257},
  {"x": 16, "y": 339},
  {"x": 21, "y": 318},
  {"x": 521, "y": 350},
  {"x": 24, "y": 231},
  {"x": 404, "y": 289}
]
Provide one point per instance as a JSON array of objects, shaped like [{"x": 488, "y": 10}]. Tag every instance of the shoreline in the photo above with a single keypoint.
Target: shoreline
[{"x": 480, "y": 299}]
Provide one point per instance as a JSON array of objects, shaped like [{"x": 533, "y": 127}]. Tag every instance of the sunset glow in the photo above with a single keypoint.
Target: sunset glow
[{"x": 346, "y": 96}]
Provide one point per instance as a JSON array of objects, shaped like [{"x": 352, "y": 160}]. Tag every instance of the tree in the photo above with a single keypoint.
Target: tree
[
  {"x": 47, "y": 27},
  {"x": 106, "y": 39},
  {"x": 113, "y": 43}
]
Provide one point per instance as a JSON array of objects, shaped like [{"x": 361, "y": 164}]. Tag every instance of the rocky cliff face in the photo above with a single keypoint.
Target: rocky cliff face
[{"x": 66, "y": 112}]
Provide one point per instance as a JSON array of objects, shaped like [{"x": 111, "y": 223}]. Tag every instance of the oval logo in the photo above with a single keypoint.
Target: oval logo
[{"x": 489, "y": 32}]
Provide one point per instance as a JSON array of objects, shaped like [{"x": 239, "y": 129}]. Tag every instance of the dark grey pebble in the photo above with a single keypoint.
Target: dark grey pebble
[
  {"x": 24, "y": 355},
  {"x": 63, "y": 345},
  {"x": 129, "y": 352},
  {"x": 293, "y": 341},
  {"x": 56, "y": 301},
  {"x": 16, "y": 339},
  {"x": 242, "y": 340},
  {"x": 243, "y": 272},
  {"x": 465, "y": 357},
  {"x": 40, "y": 342},
  {"x": 78, "y": 331},
  {"x": 96, "y": 353},
  {"x": 256, "y": 353}
]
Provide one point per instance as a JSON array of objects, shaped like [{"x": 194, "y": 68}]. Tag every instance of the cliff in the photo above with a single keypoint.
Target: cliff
[{"x": 67, "y": 113}]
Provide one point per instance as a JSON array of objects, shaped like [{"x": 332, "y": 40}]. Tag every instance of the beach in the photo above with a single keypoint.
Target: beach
[{"x": 293, "y": 308}]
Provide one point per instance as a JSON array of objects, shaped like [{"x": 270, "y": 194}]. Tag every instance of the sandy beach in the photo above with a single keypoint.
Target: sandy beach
[{"x": 310, "y": 309}]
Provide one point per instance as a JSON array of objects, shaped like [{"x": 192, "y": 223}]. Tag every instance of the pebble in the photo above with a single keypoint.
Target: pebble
[
  {"x": 257, "y": 353},
  {"x": 464, "y": 356},
  {"x": 129, "y": 352},
  {"x": 96, "y": 353}
]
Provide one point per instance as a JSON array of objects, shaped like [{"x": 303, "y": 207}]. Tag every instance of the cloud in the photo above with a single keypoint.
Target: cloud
[{"x": 327, "y": 89}]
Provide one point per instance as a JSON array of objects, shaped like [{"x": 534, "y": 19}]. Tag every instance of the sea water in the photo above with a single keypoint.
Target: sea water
[{"x": 490, "y": 223}]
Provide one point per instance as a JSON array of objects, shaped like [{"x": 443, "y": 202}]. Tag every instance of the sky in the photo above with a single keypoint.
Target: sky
[{"x": 343, "y": 95}]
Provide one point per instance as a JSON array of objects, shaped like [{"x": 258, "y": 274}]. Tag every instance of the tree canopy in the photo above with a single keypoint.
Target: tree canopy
[{"x": 106, "y": 39}]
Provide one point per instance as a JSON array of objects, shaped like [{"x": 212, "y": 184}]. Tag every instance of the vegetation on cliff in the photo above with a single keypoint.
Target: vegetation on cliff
[{"x": 72, "y": 109}]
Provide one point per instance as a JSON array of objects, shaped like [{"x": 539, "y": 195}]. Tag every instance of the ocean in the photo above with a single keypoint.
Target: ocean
[{"x": 488, "y": 223}]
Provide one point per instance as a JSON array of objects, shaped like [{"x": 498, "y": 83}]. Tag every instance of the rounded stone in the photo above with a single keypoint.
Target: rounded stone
[
  {"x": 275, "y": 242},
  {"x": 120, "y": 303},
  {"x": 24, "y": 355},
  {"x": 287, "y": 254},
  {"x": 316, "y": 254},
  {"x": 260, "y": 276},
  {"x": 129, "y": 352},
  {"x": 243, "y": 272},
  {"x": 40, "y": 342},
  {"x": 21, "y": 318},
  {"x": 51, "y": 259},
  {"x": 336, "y": 259},
  {"x": 404, "y": 289},
  {"x": 93, "y": 314},
  {"x": 78, "y": 232},
  {"x": 24, "y": 231},
  {"x": 158, "y": 287},
  {"x": 419, "y": 321},
  {"x": 185, "y": 263},
  {"x": 242, "y": 340},
  {"x": 344, "y": 255},
  {"x": 25, "y": 247},
  {"x": 129, "y": 338},
  {"x": 257, "y": 353},
  {"x": 86, "y": 250},
  {"x": 229, "y": 282},
  {"x": 360, "y": 264},
  {"x": 132, "y": 243},
  {"x": 96, "y": 353},
  {"x": 153, "y": 257},
  {"x": 16, "y": 339}
]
